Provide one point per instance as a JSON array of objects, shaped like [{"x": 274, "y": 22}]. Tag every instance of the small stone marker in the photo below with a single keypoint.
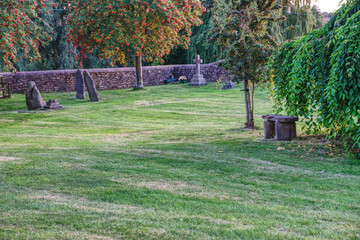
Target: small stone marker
[
  {"x": 33, "y": 97},
  {"x": 283, "y": 128},
  {"x": 90, "y": 85},
  {"x": 198, "y": 79},
  {"x": 79, "y": 85},
  {"x": 53, "y": 104},
  {"x": 228, "y": 85}
]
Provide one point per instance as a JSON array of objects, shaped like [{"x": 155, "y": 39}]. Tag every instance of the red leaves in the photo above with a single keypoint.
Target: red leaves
[
  {"x": 17, "y": 33},
  {"x": 147, "y": 27}
]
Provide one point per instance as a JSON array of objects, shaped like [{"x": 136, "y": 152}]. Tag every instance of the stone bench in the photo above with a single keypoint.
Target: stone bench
[{"x": 282, "y": 128}]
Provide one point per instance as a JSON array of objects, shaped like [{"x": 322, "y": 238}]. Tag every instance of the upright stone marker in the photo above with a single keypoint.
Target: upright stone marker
[
  {"x": 33, "y": 97},
  {"x": 90, "y": 85},
  {"x": 228, "y": 85},
  {"x": 79, "y": 85},
  {"x": 197, "y": 79}
]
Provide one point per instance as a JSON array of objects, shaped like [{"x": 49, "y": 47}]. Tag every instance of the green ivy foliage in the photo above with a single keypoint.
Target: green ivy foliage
[{"x": 318, "y": 76}]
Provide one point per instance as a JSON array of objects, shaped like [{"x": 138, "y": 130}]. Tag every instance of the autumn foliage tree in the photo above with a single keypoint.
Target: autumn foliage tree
[
  {"x": 132, "y": 30},
  {"x": 22, "y": 31},
  {"x": 240, "y": 30}
]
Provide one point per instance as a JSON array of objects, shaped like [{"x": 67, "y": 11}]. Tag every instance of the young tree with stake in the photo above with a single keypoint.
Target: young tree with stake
[{"x": 240, "y": 31}]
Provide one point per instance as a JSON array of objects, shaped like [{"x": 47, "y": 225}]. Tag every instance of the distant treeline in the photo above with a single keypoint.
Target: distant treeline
[{"x": 60, "y": 54}]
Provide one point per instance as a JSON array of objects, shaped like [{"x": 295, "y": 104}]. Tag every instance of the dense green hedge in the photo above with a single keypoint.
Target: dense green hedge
[{"x": 318, "y": 76}]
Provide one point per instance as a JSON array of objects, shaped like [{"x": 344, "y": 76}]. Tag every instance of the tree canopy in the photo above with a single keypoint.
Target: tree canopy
[
  {"x": 317, "y": 76},
  {"x": 199, "y": 42},
  {"x": 57, "y": 55},
  {"x": 131, "y": 29}
]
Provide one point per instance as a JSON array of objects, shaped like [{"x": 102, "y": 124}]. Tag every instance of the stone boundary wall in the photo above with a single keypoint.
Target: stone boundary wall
[{"x": 108, "y": 78}]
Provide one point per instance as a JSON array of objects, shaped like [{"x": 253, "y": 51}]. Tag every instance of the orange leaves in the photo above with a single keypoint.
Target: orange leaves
[
  {"x": 149, "y": 27},
  {"x": 17, "y": 34}
]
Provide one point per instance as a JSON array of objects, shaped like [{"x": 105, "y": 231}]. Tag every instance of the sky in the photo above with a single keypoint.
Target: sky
[{"x": 328, "y": 5}]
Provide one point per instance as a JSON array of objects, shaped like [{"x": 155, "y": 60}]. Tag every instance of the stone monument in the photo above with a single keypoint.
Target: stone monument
[
  {"x": 53, "y": 104},
  {"x": 197, "y": 79},
  {"x": 90, "y": 85},
  {"x": 33, "y": 97},
  {"x": 228, "y": 85},
  {"x": 79, "y": 85}
]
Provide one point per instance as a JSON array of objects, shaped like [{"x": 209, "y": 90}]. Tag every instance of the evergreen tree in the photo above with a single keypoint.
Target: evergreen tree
[
  {"x": 58, "y": 53},
  {"x": 200, "y": 41},
  {"x": 318, "y": 16}
]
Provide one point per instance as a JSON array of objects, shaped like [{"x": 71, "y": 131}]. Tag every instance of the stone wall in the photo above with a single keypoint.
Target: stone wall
[{"x": 109, "y": 78}]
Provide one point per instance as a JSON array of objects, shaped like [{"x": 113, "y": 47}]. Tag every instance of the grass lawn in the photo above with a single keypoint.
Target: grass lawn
[{"x": 168, "y": 162}]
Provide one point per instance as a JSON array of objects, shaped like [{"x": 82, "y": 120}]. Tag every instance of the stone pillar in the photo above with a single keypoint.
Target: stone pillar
[
  {"x": 269, "y": 129},
  {"x": 90, "y": 85},
  {"x": 79, "y": 85},
  {"x": 269, "y": 126},
  {"x": 285, "y": 130}
]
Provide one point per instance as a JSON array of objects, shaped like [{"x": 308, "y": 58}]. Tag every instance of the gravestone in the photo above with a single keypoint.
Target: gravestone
[
  {"x": 33, "y": 97},
  {"x": 53, "y": 104},
  {"x": 90, "y": 85},
  {"x": 5, "y": 89},
  {"x": 228, "y": 85},
  {"x": 79, "y": 85},
  {"x": 197, "y": 79}
]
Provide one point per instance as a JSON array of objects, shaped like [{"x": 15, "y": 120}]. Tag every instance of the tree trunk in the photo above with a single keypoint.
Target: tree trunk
[
  {"x": 249, "y": 111},
  {"x": 139, "y": 75},
  {"x": 252, "y": 104},
  {"x": 246, "y": 101}
]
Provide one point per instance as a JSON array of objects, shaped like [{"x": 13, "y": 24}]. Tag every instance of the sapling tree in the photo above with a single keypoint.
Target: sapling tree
[
  {"x": 129, "y": 31},
  {"x": 22, "y": 31},
  {"x": 241, "y": 32}
]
